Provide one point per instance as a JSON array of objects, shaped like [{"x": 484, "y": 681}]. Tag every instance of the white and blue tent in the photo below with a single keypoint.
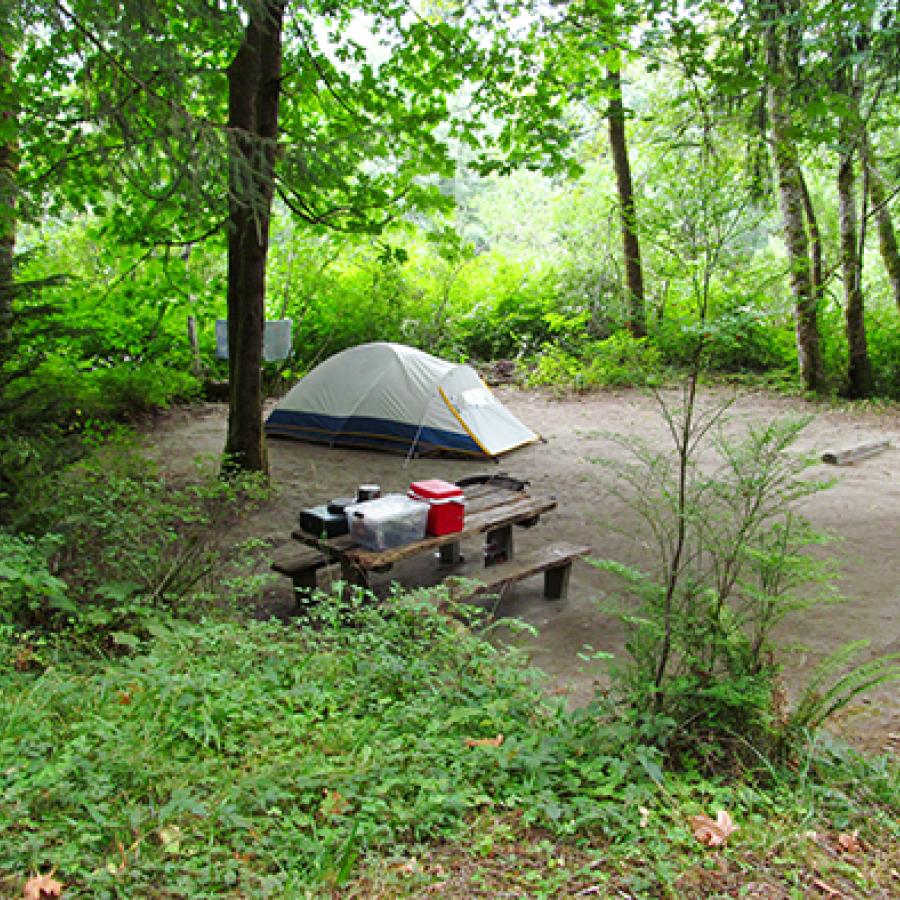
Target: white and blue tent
[{"x": 393, "y": 397}]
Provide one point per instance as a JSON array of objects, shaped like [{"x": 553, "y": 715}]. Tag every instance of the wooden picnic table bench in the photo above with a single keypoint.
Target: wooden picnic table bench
[{"x": 490, "y": 511}]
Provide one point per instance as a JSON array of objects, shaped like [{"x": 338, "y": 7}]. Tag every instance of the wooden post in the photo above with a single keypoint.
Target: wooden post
[
  {"x": 450, "y": 554},
  {"x": 194, "y": 341},
  {"x": 556, "y": 582},
  {"x": 499, "y": 546},
  {"x": 353, "y": 576}
]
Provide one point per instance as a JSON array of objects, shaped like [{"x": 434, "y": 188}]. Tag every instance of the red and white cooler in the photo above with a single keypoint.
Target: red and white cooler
[{"x": 446, "y": 505}]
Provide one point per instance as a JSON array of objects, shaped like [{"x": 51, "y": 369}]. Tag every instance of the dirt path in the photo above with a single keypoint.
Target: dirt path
[{"x": 862, "y": 510}]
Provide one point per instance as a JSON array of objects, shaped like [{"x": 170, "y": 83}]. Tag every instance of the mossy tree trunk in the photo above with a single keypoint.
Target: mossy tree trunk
[
  {"x": 817, "y": 254},
  {"x": 859, "y": 369},
  {"x": 887, "y": 237},
  {"x": 790, "y": 190},
  {"x": 634, "y": 273},
  {"x": 849, "y": 82},
  {"x": 8, "y": 165}
]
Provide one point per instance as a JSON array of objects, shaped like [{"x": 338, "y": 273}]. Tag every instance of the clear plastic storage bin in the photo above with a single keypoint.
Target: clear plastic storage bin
[{"x": 389, "y": 521}]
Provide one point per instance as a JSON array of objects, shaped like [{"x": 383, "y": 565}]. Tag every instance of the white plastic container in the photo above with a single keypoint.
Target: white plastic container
[{"x": 389, "y": 521}]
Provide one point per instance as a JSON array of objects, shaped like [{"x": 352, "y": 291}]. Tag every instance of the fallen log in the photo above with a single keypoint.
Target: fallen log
[{"x": 855, "y": 454}]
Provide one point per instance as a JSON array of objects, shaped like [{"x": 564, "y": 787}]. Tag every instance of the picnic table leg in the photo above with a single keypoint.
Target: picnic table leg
[
  {"x": 450, "y": 554},
  {"x": 556, "y": 582},
  {"x": 353, "y": 576},
  {"x": 499, "y": 546},
  {"x": 304, "y": 581}
]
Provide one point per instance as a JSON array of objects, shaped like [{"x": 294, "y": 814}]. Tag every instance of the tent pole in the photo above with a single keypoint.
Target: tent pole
[{"x": 415, "y": 440}]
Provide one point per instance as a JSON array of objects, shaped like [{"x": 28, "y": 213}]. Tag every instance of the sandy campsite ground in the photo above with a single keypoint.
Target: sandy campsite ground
[{"x": 862, "y": 511}]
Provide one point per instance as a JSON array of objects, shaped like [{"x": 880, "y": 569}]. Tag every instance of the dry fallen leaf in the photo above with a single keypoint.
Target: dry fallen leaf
[
  {"x": 484, "y": 742},
  {"x": 712, "y": 833},
  {"x": 24, "y": 659},
  {"x": 826, "y": 889},
  {"x": 645, "y": 816},
  {"x": 406, "y": 867},
  {"x": 170, "y": 838},
  {"x": 42, "y": 887},
  {"x": 849, "y": 843},
  {"x": 761, "y": 890},
  {"x": 334, "y": 803}
]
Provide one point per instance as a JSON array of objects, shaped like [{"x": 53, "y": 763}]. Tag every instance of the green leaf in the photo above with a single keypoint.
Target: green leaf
[{"x": 124, "y": 639}]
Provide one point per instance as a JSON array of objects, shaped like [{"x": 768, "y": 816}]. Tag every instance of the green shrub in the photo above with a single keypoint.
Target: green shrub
[
  {"x": 883, "y": 335},
  {"x": 270, "y": 760},
  {"x": 511, "y": 318},
  {"x": 730, "y": 562},
  {"x": 27, "y": 587},
  {"x": 742, "y": 338},
  {"x": 271, "y": 757},
  {"x": 621, "y": 359},
  {"x": 71, "y": 393},
  {"x": 618, "y": 361},
  {"x": 363, "y": 298},
  {"x": 128, "y": 543},
  {"x": 556, "y": 368},
  {"x": 129, "y": 389},
  {"x": 27, "y": 461}
]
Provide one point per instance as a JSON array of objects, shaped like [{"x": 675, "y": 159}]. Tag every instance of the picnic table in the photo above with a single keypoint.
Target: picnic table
[{"x": 492, "y": 510}]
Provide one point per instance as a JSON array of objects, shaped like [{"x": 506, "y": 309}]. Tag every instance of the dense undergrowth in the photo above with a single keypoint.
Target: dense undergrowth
[{"x": 245, "y": 758}]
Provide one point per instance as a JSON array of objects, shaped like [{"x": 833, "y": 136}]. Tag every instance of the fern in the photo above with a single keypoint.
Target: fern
[{"x": 816, "y": 706}]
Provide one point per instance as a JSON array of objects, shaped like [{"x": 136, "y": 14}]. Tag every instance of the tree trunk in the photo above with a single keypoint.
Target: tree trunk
[
  {"x": 790, "y": 191},
  {"x": 887, "y": 238},
  {"x": 815, "y": 241},
  {"x": 8, "y": 165},
  {"x": 634, "y": 275},
  {"x": 859, "y": 369},
  {"x": 849, "y": 82},
  {"x": 253, "y": 94},
  {"x": 194, "y": 343}
]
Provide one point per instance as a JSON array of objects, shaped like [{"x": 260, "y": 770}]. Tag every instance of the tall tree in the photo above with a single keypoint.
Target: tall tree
[
  {"x": 887, "y": 238},
  {"x": 8, "y": 165},
  {"x": 631, "y": 249},
  {"x": 791, "y": 194},
  {"x": 859, "y": 368},
  {"x": 582, "y": 46},
  {"x": 849, "y": 87},
  {"x": 254, "y": 86}
]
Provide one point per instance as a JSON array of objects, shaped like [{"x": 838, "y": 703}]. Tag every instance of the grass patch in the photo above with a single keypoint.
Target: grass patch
[{"x": 257, "y": 759}]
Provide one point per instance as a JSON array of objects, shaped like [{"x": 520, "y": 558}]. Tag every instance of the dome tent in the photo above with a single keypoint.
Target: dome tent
[{"x": 393, "y": 397}]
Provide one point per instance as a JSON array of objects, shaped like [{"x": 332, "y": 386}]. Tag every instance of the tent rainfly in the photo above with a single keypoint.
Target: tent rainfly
[{"x": 393, "y": 397}]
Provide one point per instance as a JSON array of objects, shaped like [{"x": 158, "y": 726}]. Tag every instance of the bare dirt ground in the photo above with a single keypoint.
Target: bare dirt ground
[{"x": 862, "y": 511}]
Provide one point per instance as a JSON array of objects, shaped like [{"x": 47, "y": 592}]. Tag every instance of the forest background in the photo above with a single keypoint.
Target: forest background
[{"x": 591, "y": 190}]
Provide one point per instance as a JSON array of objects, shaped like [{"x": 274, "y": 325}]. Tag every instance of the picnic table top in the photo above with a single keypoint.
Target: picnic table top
[{"x": 487, "y": 508}]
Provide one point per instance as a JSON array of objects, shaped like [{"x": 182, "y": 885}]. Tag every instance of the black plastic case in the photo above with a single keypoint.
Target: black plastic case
[{"x": 318, "y": 521}]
